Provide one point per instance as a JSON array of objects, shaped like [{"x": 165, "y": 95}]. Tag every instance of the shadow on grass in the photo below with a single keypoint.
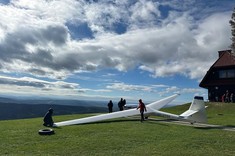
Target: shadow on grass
[
  {"x": 227, "y": 127},
  {"x": 158, "y": 122},
  {"x": 126, "y": 120}
]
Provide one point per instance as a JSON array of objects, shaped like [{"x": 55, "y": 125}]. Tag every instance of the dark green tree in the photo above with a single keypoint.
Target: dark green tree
[{"x": 232, "y": 23}]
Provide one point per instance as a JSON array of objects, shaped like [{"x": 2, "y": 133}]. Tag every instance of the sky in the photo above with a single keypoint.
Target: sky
[{"x": 108, "y": 49}]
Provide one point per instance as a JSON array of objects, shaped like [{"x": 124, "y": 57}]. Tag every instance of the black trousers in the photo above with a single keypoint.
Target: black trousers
[{"x": 142, "y": 116}]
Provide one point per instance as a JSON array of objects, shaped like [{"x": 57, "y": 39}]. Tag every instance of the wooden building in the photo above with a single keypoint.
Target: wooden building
[{"x": 220, "y": 77}]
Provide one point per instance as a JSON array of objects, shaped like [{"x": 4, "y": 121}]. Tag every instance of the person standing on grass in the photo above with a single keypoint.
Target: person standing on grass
[
  {"x": 123, "y": 103},
  {"x": 231, "y": 97},
  {"x": 120, "y": 104},
  {"x": 48, "y": 121},
  {"x": 110, "y": 106},
  {"x": 222, "y": 98},
  {"x": 142, "y": 109},
  {"x": 227, "y": 96}
]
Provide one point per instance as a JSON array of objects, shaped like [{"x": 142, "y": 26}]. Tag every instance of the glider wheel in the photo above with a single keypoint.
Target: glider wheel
[{"x": 46, "y": 131}]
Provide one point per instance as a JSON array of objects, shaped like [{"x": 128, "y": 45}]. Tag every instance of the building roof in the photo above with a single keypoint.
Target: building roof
[{"x": 226, "y": 60}]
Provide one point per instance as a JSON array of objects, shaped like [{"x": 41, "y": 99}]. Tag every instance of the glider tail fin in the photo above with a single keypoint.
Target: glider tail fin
[{"x": 196, "y": 112}]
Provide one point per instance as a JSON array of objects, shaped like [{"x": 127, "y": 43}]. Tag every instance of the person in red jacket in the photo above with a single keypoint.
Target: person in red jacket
[{"x": 142, "y": 109}]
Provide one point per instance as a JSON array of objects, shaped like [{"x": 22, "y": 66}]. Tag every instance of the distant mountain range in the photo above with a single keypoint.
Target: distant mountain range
[
  {"x": 19, "y": 108},
  {"x": 53, "y": 101},
  {"x": 12, "y": 108}
]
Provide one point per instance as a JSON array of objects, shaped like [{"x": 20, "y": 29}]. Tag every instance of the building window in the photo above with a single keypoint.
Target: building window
[
  {"x": 222, "y": 74},
  {"x": 231, "y": 73},
  {"x": 227, "y": 73}
]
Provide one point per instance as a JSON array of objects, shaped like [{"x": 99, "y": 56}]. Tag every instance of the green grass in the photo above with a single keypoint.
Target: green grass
[{"x": 122, "y": 137}]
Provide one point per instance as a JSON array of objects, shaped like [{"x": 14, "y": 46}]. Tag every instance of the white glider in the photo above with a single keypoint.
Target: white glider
[{"x": 196, "y": 113}]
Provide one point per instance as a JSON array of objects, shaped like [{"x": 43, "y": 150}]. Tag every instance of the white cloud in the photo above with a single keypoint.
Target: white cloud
[
  {"x": 32, "y": 86},
  {"x": 50, "y": 11},
  {"x": 160, "y": 86},
  {"x": 35, "y": 39},
  {"x": 184, "y": 91},
  {"x": 144, "y": 14},
  {"x": 129, "y": 87},
  {"x": 197, "y": 91},
  {"x": 36, "y": 87}
]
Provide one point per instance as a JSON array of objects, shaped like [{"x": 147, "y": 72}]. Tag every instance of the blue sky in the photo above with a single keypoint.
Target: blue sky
[{"x": 108, "y": 49}]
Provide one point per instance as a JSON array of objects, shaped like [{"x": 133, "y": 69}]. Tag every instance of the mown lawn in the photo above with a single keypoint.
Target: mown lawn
[{"x": 122, "y": 137}]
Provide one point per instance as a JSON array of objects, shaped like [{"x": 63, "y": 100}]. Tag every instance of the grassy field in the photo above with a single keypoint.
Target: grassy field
[{"x": 122, "y": 136}]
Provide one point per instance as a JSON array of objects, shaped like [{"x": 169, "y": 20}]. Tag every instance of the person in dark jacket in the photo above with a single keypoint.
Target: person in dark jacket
[
  {"x": 120, "y": 104},
  {"x": 110, "y": 106},
  {"x": 124, "y": 103},
  {"x": 48, "y": 121},
  {"x": 142, "y": 109}
]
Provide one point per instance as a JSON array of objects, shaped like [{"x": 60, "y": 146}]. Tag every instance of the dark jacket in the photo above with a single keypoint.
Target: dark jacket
[{"x": 48, "y": 121}]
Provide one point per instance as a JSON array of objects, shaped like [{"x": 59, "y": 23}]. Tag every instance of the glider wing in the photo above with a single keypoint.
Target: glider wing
[{"x": 131, "y": 112}]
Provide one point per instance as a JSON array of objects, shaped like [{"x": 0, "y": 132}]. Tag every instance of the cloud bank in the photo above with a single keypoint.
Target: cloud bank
[{"x": 42, "y": 38}]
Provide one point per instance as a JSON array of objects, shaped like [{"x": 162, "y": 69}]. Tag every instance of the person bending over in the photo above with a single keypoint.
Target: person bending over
[{"x": 48, "y": 121}]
